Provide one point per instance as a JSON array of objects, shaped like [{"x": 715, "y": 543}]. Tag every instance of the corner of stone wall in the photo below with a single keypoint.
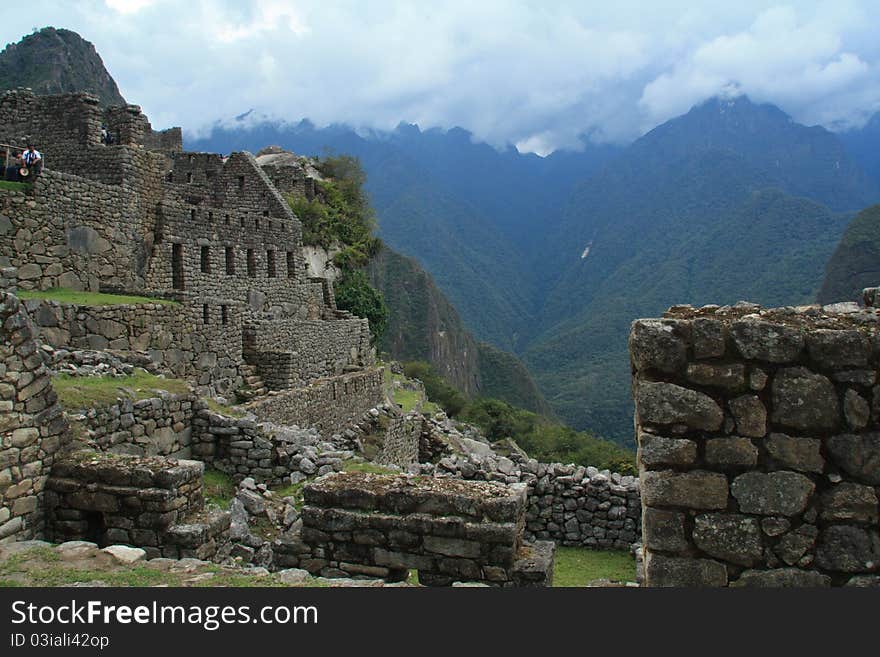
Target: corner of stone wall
[
  {"x": 759, "y": 445},
  {"x": 32, "y": 424}
]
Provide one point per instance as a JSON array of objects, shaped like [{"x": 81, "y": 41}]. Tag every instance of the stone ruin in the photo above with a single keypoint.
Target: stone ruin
[
  {"x": 231, "y": 309},
  {"x": 757, "y": 429},
  {"x": 447, "y": 529},
  {"x": 759, "y": 445}
]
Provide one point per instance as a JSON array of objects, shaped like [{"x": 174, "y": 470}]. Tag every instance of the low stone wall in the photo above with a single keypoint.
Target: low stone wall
[
  {"x": 400, "y": 441},
  {"x": 153, "y": 503},
  {"x": 384, "y": 525},
  {"x": 327, "y": 404},
  {"x": 159, "y": 426},
  {"x": 577, "y": 506},
  {"x": 32, "y": 424},
  {"x": 240, "y": 447},
  {"x": 569, "y": 504},
  {"x": 290, "y": 353},
  {"x": 759, "y": 445},
  {"x": 176, "y": 337}
]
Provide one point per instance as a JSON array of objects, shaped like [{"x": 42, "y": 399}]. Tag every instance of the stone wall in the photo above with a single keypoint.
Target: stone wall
[
  {"x": 9, "y": 280},
  {"x": 759, "y": 445},
  {"x": 241, "y": 447},
  {"x": 32, "y": 424},
  {"x": 153, "y": 503},
  {"x": 72, "y": 232},
  {"x": 232, "y": 234},
  {"x": 384, "y": 525},
  {"x": 326, "y": 404},
  {"x": 400, "y": 441},
  {"x": 570, "y": 504},
  {"x": 290, "y": 353},
  {"x": 158, "y": 426},
  {"x": 177, "y": 337}
]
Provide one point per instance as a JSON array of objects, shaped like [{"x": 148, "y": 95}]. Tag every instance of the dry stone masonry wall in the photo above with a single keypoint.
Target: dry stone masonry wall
[
  {"x": 176, "y": 336},
  {"x": 157, "y": 426},
  {"x": 447, "y": 529},
  {"x": 33, "y": 429},
  {"x": 329, "y": 404},
  {"x": 152, "y": 503},
  {"x": 759, "y": 445}
]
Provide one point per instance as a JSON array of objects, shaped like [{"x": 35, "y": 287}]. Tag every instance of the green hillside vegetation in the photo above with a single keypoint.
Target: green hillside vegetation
[
  {"x": 696, "y": 255},
  {"x": 503, "y": 376},
  {"x": 341, "y": 215},
  {"x": 855, "y": 264},
  {"x": 542, "y": 438},
  {"x": 546, "y": 440}
]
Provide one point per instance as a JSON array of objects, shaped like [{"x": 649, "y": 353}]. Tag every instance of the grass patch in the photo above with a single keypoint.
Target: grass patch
[
  {"x": 218, "y": 488},
  {"x": 223, "y": 409},
  {"x": 43, "y": 567},
  {"x": 94, "y": 391},
  {"x": 579, "y": 566},
  {"x": 77, "y": 297},
  {"x": 15, "y": 186},
  {"x": 405, "y": 398}
]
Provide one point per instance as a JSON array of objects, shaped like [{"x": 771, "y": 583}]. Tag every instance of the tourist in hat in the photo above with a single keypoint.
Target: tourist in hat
[{"x": 32, "y": 161}]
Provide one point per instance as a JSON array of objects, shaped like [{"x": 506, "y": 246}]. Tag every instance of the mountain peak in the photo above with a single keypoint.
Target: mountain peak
[{"x": 54, "y": 61}]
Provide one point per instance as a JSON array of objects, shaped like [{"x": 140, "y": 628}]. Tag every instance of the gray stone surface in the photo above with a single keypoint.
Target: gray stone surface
[
  {"x": 772, "y": 493},
  {"x": 666, "y": 403},
  {"x": 804, "y": 400}
]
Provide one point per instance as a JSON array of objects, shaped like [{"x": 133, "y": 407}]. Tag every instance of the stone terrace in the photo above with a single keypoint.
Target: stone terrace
[{"x": 448, "y": 529}]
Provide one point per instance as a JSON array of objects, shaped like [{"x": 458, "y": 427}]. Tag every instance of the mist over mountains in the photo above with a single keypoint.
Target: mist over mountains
[
  {"x": 733, "y": 200},
  {"x": 552, "y": 258}
]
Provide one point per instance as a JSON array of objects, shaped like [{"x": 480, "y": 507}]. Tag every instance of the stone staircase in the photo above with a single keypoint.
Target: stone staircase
[{"x": 254, "y": 386}]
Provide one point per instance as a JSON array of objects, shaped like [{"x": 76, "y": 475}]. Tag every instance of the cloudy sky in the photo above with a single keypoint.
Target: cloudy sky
[{"x": 538, "y": 74}]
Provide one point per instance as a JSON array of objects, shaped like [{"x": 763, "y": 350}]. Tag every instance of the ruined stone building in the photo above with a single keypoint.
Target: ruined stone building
[
  {"x": 142, "y": 216},
  {"x": 211, "y": 234}
]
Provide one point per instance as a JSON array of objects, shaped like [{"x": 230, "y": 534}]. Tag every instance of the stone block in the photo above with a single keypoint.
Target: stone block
[
  {"x": 664, "y": 530},
  {"x": 694, "y": 490},
  {"x": 780, "y": 493},
  {"x": 657, "y": 451},
  {"x": 666, "y": 403},
  {"x": 731, "y": 452},
  {"x": 661, "y": 570},
  {"x": 801, "y": 454},
  {"x": 782, "y": 578},
  {"x": 848, "y": 549},
  {"x": 658, "y": 344},
  {"x": 857, "y": 454},
  {"x": 804, "y": 400},
  {"x": 731, "y": 537}
]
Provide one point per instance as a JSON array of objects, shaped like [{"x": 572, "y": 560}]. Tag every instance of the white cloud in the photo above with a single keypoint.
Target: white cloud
[{"x": 539, "y": 75}]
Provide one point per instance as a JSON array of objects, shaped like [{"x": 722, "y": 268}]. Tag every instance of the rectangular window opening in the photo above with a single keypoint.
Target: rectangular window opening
[
  {"x": 206, "y": 259},
  {"x": 270, "y": 263}
]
